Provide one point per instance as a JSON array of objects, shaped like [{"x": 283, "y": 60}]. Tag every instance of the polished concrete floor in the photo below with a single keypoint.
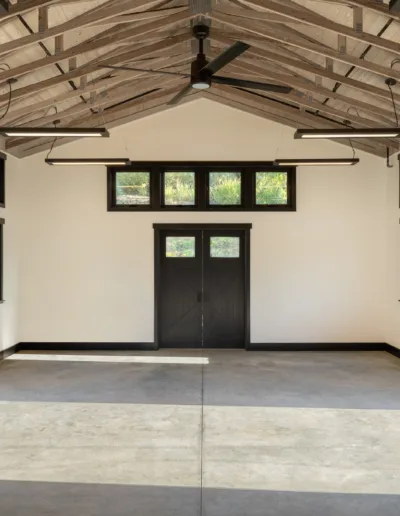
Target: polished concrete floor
[{"x": 212, "y": 433}]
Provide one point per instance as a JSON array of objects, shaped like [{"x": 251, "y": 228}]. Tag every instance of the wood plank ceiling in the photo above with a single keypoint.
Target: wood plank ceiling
[{"x": 335, "y": 54}]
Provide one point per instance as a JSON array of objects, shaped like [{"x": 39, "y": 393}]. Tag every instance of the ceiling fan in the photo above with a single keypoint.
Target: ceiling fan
[{"x": 202, "y": 72}]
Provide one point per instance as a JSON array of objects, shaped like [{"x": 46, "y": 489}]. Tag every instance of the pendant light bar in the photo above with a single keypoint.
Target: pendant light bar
[
  {"x": 116, "y": 162},
  {"x": 68, "y": 132},
  {"x": 382, "y": 132},
  {"x": 319, "y": 161}
]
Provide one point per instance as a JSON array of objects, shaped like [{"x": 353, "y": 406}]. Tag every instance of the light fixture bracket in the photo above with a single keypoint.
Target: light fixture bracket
[{"x": 390, "y": 82}]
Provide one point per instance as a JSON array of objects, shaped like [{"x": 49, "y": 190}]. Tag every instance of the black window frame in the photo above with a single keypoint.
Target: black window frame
[
  {"x": 3, "y": 159},
  {"x": 2, "y": 222},
  {"x": 178, "y": 207},
  {"x": 225, "y": 207},
  {"x": 201, "y": 169}
]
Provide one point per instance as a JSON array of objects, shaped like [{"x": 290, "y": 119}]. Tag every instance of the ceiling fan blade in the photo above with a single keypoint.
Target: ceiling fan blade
[
  {"x": 251, "y": 84},
  {"x": 128, "y": 68},
  {"x": 184, "y": 91},
  {"x": 226, "y": 57}
]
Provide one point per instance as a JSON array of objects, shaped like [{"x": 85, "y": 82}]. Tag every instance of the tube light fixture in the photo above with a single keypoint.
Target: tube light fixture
[
  {"x": 382, "y": 132},
  {"x": 319, "y": 161},
  {"x": 68, "y": 132},
  {"x": 115, "y": 162}
]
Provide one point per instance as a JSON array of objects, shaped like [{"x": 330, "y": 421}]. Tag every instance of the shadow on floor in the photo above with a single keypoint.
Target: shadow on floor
[{"x": 61, "y": 499}]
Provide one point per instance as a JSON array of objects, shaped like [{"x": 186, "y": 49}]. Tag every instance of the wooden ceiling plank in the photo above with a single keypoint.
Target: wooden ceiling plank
[
  {"x": 312, "y": 47},
  {"x": 372, "y": 5},
  {"x": 384, "y": 115},
  {"x": 90, "y": 45},
  {"x": 26, "y": 6},
  {"x": 78, "y": 22},
  {"x": 136, "y": 17},
  {"x": 124, "y": 91},
  {"x": 92, "y": 66},
  {"x": 94, "y": 85},
  {"x": 254, "y": 15},
  {"x": 262, "y": 51},
  {"x": 302, "y": 99},
  {"x": 316, "y": 20}
]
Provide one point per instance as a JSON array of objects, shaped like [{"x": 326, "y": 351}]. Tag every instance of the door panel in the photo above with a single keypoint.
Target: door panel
[
  {"x": 180, "y": 311},
  {"x": 224, "y": 289}
]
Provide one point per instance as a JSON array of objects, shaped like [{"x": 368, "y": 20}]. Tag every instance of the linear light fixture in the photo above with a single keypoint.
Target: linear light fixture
[
  {"x": 116, "y": 162},
  {"x": 382, "y": 132},
  {"x": 323, "y": 161},
  {"x": 69, "y": 132}
]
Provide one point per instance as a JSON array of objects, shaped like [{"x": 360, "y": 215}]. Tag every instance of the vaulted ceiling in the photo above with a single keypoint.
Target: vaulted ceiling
[{"x": 335, "y": 54}]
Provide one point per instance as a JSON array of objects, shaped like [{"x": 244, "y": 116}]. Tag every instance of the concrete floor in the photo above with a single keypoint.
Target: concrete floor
[{"x": 212, "y": 433}]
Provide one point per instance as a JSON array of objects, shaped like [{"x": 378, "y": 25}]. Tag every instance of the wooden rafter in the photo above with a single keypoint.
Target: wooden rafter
[
  {"x": 291, "y": 12},
  {"x": 92, "y": 66},
  {"x": 311, "y": 47},
  {"x": 156, "y": 34}
]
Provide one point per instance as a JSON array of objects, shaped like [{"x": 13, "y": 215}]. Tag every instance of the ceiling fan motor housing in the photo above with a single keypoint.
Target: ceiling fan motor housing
[{"x": 198, "y": 78}]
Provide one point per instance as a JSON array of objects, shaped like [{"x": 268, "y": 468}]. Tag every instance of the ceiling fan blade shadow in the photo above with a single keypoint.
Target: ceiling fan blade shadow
[
  {"x": 179, "y": 96},
  {"x": 241, "y": 83},
  {"x": 128, "y": 68},
  {"x": 226, "y": 57}
]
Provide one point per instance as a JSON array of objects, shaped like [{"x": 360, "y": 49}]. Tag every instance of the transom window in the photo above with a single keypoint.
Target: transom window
[{"x": 202, "y": 186}]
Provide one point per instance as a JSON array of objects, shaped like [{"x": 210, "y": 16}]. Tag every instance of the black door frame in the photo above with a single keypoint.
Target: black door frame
[{"x": 158, "y": 228}]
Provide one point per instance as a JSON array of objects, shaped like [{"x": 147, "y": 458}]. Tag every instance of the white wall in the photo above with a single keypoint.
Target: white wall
[
  {"x": 9, "y": 310},
  {"x": 392, "y": 312},
  {"x": 317, "y": 275}
]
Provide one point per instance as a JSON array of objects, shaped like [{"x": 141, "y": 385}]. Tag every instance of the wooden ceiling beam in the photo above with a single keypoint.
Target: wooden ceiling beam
[
  {"x": 291, "y": 12},
  {"x": 108, "y": 10},
  {"x": 25, "y": 6},
  {"x": 92, "y": 66},
  {"x": 91, "y": 45},
  {"x": 372, "y": 5},
  {"x": 136, "y": 17},
  {"x": 301, "y": 99},
  {"x": 262, "y": 50},
  {"x": 305, "y": 45},
  {"x": 253, "y": 15},
  {"x": 95, "y": 86},
  {"x": 126, "y": 90},
  {"x": 386, "y": 115}
]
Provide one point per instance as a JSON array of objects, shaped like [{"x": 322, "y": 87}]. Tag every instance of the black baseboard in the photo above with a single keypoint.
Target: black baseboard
[
  {"x": 393, "y": 351},
  {"x": 8, "y": 352},
  {"x": 151, "y": 346},
  {"x": 317, "y": 346},
  {"x": 86, "y": 346}
]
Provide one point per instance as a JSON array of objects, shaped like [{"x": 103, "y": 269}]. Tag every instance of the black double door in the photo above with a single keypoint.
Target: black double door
[{"x": 201, "y": 289}]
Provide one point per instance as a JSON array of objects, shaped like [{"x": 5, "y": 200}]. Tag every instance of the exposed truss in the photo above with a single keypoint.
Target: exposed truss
[{"x": 335, "y": 57}]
